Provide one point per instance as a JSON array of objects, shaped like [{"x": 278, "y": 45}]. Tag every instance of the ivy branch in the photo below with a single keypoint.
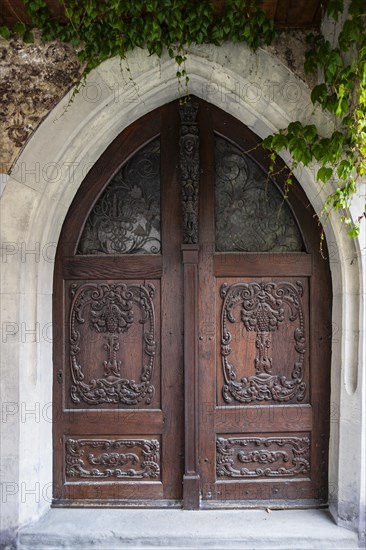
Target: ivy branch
[
  {"x": 341, "y": 155},
  {"x": 106, "y": 28}
]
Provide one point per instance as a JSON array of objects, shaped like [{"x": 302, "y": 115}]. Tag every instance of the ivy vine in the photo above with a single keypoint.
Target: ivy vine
[
  {"x": 101, "y": 29},
  {"x": 341, "y": 155},
  {"x": 106, "y": 28}
]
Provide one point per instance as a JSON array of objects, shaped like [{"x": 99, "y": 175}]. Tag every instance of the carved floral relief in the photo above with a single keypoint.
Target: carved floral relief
[
  {"x": 110, "y": 310},
  {"x": 189, "y": 170},
  {"x": 262, "y": 307},
  {"x": 33, "y": 78},
  {"x": 113, "y": 458},
  {"x": 248, "y": 457}
]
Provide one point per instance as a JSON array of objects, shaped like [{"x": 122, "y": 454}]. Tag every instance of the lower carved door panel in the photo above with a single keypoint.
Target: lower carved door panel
[{"x": 194, "y": 314}]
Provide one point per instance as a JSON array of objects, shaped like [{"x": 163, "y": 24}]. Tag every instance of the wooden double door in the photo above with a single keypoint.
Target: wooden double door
[{"x": 192, "y": 310}]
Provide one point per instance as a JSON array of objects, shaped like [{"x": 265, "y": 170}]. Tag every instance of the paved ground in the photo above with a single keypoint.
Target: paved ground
[{"x": 100, "y": 529}]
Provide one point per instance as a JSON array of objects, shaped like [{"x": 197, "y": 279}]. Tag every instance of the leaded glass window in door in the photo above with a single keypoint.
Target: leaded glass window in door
[
  {"x": 250, "y": 212},
  {"x": 126, "y": 217}
]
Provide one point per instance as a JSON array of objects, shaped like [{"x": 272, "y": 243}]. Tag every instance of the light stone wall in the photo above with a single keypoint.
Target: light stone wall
[{"x": 261, "y": 92}]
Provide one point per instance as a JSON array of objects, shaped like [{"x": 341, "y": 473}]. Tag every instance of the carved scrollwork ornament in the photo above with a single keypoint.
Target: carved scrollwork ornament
[
  {"x": 141, "y": 461},
  {"x": 189, "y": 169},
  {"x": 271, "y": 457},
  {"x": 263, "y": 307},
  {"x": 110, "y": 310}
]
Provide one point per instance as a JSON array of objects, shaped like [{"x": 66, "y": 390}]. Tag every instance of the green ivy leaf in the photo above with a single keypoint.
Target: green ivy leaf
[
  {"x": 335, "y": 7},
  {"x": 319, "y": 93},
  {"x": 324, "y": 174},
  {"x": 267, "y": 142},
  {"x": 5, "y": 32},
  {"x": 354, "y": 231},
  {"x": 344, "y": 169},
  {"x": 310, "y": 132},
  {"x": 294, "y": 127},
  {"x": 20, "y": 28},
  {"x": 28, "y": 37},
  {"x": 279, "y": 142}
]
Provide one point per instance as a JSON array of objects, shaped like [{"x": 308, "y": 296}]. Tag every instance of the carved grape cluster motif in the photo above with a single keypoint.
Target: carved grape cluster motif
[
  {"x": 110, "y": 311},
  {"x": 262, "y": 308}
]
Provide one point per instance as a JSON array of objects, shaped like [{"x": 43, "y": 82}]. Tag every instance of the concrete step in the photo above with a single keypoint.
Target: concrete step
[{"x": 99, "y": 529}]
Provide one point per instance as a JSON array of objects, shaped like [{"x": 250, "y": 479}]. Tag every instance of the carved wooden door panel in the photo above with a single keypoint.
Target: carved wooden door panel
[
  {"x": 192, "y": 310},
  {"x": 264, "y": 298},
  {"x": 118, "y": 389}
]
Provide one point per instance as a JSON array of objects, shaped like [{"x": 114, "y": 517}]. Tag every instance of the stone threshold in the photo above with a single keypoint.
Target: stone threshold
[{"x": 99, "y": 529}]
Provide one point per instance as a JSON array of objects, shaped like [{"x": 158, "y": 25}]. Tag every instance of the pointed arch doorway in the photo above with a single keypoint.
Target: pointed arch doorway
[{"x": 193, "y": 309}]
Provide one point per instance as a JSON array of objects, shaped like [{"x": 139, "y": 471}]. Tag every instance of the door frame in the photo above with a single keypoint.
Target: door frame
[{"x": 72, "y": 142}]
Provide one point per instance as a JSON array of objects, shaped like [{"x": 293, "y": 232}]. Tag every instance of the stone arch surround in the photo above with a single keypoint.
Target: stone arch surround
[{"x": 262, "y": 93}]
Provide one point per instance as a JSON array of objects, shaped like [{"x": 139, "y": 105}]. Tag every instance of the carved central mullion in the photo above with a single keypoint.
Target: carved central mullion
[
  {"x": 189, "y": 169},
  {"x": 191, "y": 479}
]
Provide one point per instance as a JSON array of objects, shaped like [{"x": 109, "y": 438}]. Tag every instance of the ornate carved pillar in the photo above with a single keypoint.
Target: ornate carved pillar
[{"x": 189, "y": 178}]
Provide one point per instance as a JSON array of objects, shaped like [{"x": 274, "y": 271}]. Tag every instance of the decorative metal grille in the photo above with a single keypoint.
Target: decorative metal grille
[
  {"x": 126, "y": 218},
  {"x": 250, "y": 213}
]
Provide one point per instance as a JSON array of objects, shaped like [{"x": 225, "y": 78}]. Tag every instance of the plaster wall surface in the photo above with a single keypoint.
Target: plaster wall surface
[{"x": 261, "y": 92}]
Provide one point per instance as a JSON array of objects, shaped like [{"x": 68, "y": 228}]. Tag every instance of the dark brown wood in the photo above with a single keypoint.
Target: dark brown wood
[
  {"x": 283, "y": 417},
  {"x": 116, "y": 491},
  {"x": 296, "y": 15},
  {"x": 84, "y": 422},
  {"x": 262, "y": 264},
  {"x": 172, "y": 309},
  {"x": 191, "y": 479},
  {"x": 189, "y": 178},
  {"x": 119, "y": 435},
  {"x": 269, "y": 7},
  {"x": 207, "y": 301},
  {"x": 103, "y": 267},
  {"x": 138, "y": 503},
  {"x": 241, "y": 440},
  {"x": 12, "y": 11},
  {"x": 198, "y": 322}
]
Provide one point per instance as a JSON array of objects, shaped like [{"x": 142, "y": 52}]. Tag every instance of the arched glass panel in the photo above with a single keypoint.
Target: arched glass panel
[
  {"x": 126, "y": 217},
  {"x": 250, "y": 212}
]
